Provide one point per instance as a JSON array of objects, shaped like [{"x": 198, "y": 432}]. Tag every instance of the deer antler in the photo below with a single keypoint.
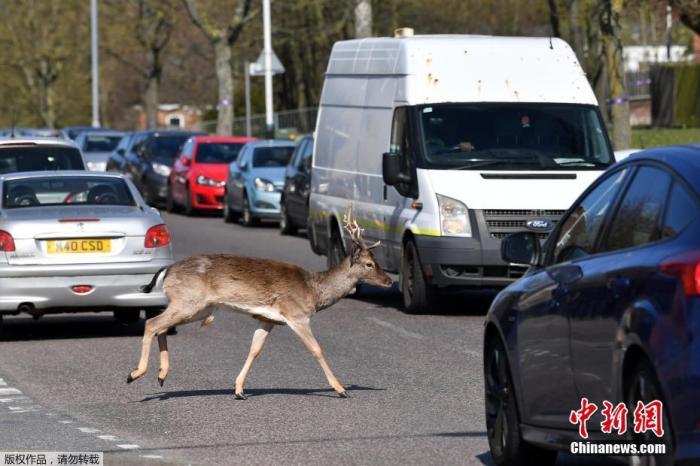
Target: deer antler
[{"x": 355, "y": 231}]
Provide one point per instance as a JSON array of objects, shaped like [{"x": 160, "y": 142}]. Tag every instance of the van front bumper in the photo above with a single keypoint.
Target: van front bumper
[{"x": 451, "y": 261}]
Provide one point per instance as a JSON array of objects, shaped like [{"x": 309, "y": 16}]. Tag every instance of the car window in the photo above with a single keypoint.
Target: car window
[
  {"x": 580, "y": 229},
  {"x": 188, "y": 148},
  {"x": 272, "y": 156},
  {"x": 296, "y": 157},
  {"x": 38, "y": 158},
  {"x": 308, "y": 150},
  {"x": 217, "y": 152},
  {"x": 65, "y": 191},
  {"x": 681, "y": 210},
  {"x": 636, "y": 221},
  {"x": 166, "y": 147},
  {"x": 100, "y": 142}
]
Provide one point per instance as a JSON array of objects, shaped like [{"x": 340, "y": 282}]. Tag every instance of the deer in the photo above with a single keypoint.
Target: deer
[{"x": 275, "y": 293}]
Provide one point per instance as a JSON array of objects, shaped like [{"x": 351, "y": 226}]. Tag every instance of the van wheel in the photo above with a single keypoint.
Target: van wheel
[
  {"x": 643, "y": 386},
  {"x": 286, "y": 225},
  {"x": 336, "y": 252},
  {"x": 249, "y": 220},
  {"x": 127, "y": 316},
  {"x": 418, "y": 294},
  {"x": 502, "y": 426}
]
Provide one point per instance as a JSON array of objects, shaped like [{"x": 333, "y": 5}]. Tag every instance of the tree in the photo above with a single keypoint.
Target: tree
[
  {"x": 363, "y": 19},
  {"x": 689, "y": 13},
  {"x": 222, "y": 36}
]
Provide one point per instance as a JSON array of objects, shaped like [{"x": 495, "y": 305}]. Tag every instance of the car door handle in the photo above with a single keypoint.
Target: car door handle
[
  {"x": 559, "y": 295},
  {"x": 618, "y": 285}
]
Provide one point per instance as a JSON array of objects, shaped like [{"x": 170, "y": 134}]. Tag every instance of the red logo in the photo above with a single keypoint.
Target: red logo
[
  {"x": 649, "y": 417},
  {"x": 582, "y": 416},
  {"x": 646, "y": 417}
]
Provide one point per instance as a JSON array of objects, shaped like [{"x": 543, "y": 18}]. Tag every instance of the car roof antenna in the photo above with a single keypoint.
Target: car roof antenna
[{"x": 12, "y": 131}]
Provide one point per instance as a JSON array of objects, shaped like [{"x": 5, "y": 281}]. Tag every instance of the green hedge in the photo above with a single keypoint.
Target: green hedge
[
  {"x": 644, "y": 138},
  {"x": 687, "y": 95}
]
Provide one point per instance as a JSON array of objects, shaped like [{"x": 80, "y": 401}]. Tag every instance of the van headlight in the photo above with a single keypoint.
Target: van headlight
[
  {"x": 454, "y": 217},
  {"x": 162, "y": 170},
  {"x": 264, "y": 185}
]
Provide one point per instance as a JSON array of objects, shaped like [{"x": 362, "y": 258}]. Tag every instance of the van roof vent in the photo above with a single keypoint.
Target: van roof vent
[{"x": 403, "y": 32}]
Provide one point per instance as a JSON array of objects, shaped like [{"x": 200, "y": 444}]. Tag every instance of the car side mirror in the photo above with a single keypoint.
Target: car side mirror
[
  {"x": 391, "y": 169},
  {"x": 185, "y": 160},
  {"x": 565, "y": 274},
  {"x": 521, "y": 248},
  {"x": 244, "y": 167},
  {"x": 121, "y": 151}
]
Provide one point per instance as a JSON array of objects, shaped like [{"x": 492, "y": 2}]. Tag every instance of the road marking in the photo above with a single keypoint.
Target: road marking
[
  {"x": 154, "y": 457},
  {"x": 2, "y": 383},
  {"x": 111, "y": 438},
  {"x": 9, "y": 391},
  {"x": 24, "y": 409},
  {"x": 15, "y": 399},
  {"x": 65, "y": 421},
  {"x": 88, "y": 430},
  {"x": 129, "y": 446},
  {"x": 400, "y": 330}
]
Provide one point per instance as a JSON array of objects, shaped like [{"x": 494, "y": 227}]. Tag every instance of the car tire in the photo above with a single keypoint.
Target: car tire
[
  {"x": 418, "y": 295},
  {"x": 336, "y": 251},
  {"x": 502, "y": 423},
  {"x": 127, "y": 316},
  {"x": 286, "y": 225},
  {"x": 188, "y": 209},
  {"x": 230, "y": 215},
  {"x": 171, "y": 206},
  {"x": 643, "y": 385},
  {"x": 248, "y": 219}
]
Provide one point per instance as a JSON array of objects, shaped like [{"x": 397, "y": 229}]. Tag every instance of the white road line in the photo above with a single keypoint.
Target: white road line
[
  {"x": 15, "y": 399},
  {"x": 66, "y": 421},
  {"x": 88, "y": 430},
  {"x": 24, "y": 409},
  {"x": 400, "y": 330},
  {"x": 9, "y": 391},
  {"x": 111, "y": 438},
  {"x": 129, "y": 446},
  {"x": 2, "y": 383},
  {"x": 155, "y": 457}
]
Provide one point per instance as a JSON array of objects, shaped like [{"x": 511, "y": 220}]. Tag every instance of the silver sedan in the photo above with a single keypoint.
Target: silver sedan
[{"x": 75, "y": 241}]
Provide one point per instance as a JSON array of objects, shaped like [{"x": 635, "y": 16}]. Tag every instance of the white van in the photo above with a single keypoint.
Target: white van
[{"x": 445, "y": 145}]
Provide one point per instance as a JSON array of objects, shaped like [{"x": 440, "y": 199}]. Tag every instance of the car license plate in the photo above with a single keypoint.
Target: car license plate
[{"x": 78, "y": 246}]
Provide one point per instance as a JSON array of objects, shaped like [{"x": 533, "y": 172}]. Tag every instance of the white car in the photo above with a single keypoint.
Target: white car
[{"x": 32, "y": 154}]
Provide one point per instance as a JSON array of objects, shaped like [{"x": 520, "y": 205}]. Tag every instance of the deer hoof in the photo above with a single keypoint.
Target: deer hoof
[
  {"x": 161, "y": 381},
  {"x": 129, "y": 378},
  {"x": 344, "y": 395},
  {"x": 240, "y": 396}
]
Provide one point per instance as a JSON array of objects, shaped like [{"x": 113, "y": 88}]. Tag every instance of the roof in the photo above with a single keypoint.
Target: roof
[
  {"x": 273, "y": 143},
  {"x": 24, "y": 141},
  {"x": 222, "y": 139},
  {"x": 684, "y": 159},
  {"x": 58, "y": 174},
  {"x": 463, "y": 68}
]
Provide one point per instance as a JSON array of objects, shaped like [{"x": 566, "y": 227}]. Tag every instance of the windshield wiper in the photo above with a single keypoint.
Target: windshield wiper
[
  {"x": 487, "y": 163},
  {"x": 582, "y": 163}
]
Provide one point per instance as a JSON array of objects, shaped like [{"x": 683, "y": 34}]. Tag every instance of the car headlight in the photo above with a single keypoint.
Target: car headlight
[
  {"x": 454, "y": 217},
  {"x": 264, "y": 185},
  {"x": 159, "y": 168},
  {"x": 206, "y": 181}
]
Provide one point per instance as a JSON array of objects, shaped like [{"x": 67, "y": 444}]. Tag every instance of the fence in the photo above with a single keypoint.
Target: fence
[
  {"x": 638, "y": 84},
  {"x": 286, "y": 123}
]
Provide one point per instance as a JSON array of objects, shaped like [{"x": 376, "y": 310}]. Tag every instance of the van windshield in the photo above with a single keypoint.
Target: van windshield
[{"x": 508, "y": 136}]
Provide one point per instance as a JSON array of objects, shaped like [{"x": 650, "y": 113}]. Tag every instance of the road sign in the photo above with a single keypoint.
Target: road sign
[{"x": 258, "y": 68}]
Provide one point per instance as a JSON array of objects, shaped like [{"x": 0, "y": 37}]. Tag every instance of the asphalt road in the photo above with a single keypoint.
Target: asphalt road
[{"x": 415, "y": 381}]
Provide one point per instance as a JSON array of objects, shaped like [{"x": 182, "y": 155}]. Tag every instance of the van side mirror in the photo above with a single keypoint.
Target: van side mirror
[
  {"x": 391, "y": 169},
  {"x": 521, "y": 248}
]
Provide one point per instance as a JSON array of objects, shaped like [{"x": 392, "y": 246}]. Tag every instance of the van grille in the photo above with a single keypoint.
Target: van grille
[{"x": 503, "y": 222}]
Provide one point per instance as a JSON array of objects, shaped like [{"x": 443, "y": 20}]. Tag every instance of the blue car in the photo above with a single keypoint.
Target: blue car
[
  {"x": 609, "y": 310},
  {"x": 255, "y": 181}
]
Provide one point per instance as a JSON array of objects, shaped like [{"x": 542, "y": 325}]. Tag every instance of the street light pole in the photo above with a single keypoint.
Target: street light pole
[
  {"x": 247, "y": 99},
  {"x": 267, "y": 43},
  {"x": 95, "y": 66}
]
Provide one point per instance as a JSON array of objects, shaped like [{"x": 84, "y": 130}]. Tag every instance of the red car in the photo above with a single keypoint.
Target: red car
[{"x": 198, "y": 176}]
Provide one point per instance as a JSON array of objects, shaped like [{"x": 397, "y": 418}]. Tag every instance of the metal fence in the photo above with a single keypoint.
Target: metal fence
[
  {"x": 638, "y": 84},
  {"x": 286, "y": 123}
]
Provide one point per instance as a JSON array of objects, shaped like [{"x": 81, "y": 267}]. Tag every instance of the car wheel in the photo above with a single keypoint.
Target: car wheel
[
  {"x": 170, "y": 205},
  {"x": 249, "y": 219},
  {"x": 286, "y": 225},
  {"x": 418, "y": 294},
  {"x": 189, "y": 210},
  {"x": 230, "y": 215},
  {"x": 502, "y": 425},
  {"x": 127, "y": 316},
  {"x": 643, "y": 386},
  {"x": 336, "y": 251}
]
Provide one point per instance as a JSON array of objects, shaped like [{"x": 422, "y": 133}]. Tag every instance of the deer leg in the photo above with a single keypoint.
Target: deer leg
[
  {"x": 164, "y": 361},
  {"x": 256, "y": 346},
  {"x": 303, "y": 330},
  {"x": 155, "y": 325}
]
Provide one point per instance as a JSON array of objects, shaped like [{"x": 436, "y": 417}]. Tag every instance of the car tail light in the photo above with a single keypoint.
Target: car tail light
[
  {"x": 81, "y": 289},
  {"x": 687, "y": 268},
  {"x": 157, "y": 236},
  {"x": 7, "y": 243}
]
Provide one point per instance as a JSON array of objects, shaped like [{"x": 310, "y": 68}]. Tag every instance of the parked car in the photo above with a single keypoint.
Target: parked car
[
  {"x": 254, "y": 182},
  {"x": 198, "y": 176},
  {"x": 89, "y": 239},
  {"x": 294, "y": 204},
  {"x": 97, "y": 147},
  {"x": 609, "y": 310},
  {"x": 116, "y": 162},
  {"x": 72, "y": 132},
  {"x": 444, "y": 161},
  {"x": 150, "y": 159},
  {"x": 32, "y": 154}
]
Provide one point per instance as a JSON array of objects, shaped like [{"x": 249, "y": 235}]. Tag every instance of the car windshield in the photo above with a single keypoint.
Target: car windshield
[
  {"x": 100, "y": 143},
  {"x": 272, "y": 156},
  {"x": 53, "y": 191},
  {"x": 217, "y": 152},
  {"x": 39, "y": 158},
  {"x": 167, "y": 147},
  {"x": 514, "y": 137}
]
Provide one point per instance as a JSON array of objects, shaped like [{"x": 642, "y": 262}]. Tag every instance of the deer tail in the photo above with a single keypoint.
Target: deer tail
[{"x": 148, "y": 288}]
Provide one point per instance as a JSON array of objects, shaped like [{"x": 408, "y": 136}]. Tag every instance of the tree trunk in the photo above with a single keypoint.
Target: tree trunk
[
  {"x": 554, "y": 18},
  {"x": 575, "y": 27},
  {"x": 224, "y": 76},
  {"x": 151, "y": 95},
  {"x": 612, "y": 50},
  {"x": 363, "y": 19}
]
